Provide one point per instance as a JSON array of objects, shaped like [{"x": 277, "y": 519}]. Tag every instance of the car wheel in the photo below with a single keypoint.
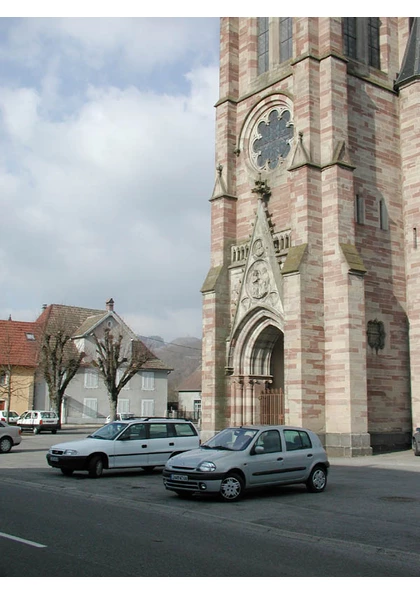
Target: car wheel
[
  {"x": 36, "y": 430},
  {"x": 148, "y": 469},
  {"x": 5, "y": 445},
  {"x": 96, "y": 467},
  {"x": 232, "y": 487},
  {"x": 317, "y": 480},
  {"x": 416, "y": 448},
  {"x": 67, "y": 471},
  {"x": 184, "y": 494}
]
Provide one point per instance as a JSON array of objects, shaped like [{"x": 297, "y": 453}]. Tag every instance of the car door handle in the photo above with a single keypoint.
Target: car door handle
[
  {"x": 310, "y": 455},
  {"x": 144, "y": 445},
  {"x": 280, "y": 459},
  {"x": 171, "y": 443}
]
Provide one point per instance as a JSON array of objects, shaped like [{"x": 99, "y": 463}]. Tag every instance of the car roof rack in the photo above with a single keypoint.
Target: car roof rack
[{"x": 163, "y": 418}]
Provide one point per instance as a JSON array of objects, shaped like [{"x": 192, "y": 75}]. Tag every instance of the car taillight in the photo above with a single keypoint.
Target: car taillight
[
  {"x": 40, "y": 422},
  {"x": 20, "y": 431}
]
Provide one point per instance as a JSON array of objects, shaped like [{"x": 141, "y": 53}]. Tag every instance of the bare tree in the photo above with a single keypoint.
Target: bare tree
[
  {"x": 59, "y": 361},
  {"x": 112, "y": 356}
]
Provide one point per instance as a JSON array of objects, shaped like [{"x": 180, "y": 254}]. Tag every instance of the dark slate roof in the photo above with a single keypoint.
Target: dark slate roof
[
  {"x": 79, "y": 320},
  {"x": 16, "y": 344},
  {"x": 68, "y": 316},
  {"x": 410, "y": 67},
  {"x": 192, "y": 383}
]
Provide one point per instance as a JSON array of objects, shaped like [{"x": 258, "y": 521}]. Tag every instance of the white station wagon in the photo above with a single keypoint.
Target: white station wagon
[
  {"x": 241, "y": 458},
  {"x": 138, "y": 443}
]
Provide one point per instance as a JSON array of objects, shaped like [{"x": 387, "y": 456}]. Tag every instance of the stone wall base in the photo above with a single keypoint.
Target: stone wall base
[
  {"x": 347, "y": 445},
  {"x": 390, "y": 442}
]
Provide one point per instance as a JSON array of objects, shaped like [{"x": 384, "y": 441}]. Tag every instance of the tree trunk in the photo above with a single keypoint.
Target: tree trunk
[
  {"x": 56, "y": 402},
  {"x": 113, "y": 402}
]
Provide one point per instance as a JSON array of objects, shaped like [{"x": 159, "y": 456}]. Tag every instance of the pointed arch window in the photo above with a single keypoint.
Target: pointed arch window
[
  {"x": 274, "y": 42},
  {"x": 373, "y": 42},
  {"x": 383, "y": 215},
  {"x": 361, "y": 39},
  {"x": 263, "y": 44},
  {"x": 286, "y": 38},
  {"x": 359, "y": 210},
  {"x": 349, "y": 37}
]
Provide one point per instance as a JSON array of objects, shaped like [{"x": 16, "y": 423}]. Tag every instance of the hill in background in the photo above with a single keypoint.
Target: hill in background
[{"x": 183, "y": 355}]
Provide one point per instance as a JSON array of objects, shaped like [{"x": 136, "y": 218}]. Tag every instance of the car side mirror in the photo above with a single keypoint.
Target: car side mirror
[{"x": 258, "y": 450}]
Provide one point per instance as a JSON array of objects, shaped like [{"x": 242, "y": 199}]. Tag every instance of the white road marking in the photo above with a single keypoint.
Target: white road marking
[{"x": 28, "y": 542}]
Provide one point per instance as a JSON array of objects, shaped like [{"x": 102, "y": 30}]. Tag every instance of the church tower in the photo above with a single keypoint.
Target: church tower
[{"x": 311, "y": 311}]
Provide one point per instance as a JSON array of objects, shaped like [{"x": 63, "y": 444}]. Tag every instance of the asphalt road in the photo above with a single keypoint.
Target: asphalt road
[{"x": 126, "y": 524}]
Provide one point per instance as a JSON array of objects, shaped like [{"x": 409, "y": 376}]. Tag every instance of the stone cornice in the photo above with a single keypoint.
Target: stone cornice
[{"x": 227, "y": 196}]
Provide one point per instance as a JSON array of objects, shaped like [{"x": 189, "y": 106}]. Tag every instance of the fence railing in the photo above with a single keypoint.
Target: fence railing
[{"x": 191, "y": 415}]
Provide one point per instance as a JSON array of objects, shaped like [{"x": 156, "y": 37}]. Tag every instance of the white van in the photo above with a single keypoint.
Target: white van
[{"x": 38, "y": 420}]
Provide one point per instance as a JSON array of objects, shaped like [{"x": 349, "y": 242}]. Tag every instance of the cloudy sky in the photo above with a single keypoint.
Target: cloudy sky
[{"x": 107, "y": 166}]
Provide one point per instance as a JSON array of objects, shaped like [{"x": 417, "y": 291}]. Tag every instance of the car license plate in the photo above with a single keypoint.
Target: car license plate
[
  {"x": 179, "y": 477},
  {"x": 53, "y": 458}
]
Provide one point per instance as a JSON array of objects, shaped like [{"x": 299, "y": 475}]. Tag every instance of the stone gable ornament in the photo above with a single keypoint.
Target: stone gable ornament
[{"x": 261, "y": 188}]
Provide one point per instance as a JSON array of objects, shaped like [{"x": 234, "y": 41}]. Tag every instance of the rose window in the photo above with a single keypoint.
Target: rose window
[{"x": 272, "y": 139}]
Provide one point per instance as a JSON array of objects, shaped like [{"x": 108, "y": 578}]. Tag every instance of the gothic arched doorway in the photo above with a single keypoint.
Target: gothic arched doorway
[{"x": 256, "y": 365}]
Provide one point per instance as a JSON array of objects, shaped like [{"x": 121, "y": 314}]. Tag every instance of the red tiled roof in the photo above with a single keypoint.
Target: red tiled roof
[{"x": 16, "y": 346}]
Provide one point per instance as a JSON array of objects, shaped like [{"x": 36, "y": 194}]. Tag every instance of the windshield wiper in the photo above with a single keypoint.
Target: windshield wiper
[
  {"x": 206, "y": 447},
  {"x": 221, "y": 447}
]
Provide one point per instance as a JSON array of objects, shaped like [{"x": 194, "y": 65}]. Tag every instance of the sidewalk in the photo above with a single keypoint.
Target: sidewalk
[{"x": 404, "y": 460}]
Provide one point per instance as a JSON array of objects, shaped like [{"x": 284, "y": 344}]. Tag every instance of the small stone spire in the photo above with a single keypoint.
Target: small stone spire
[{"x": 110, "y": 304}]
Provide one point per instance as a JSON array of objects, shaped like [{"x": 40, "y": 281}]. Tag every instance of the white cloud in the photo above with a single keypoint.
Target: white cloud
[
  {"x": 131, "y": 43},
  {"x": 19, "y": 108},
  {"x": 108, "y": 195}
]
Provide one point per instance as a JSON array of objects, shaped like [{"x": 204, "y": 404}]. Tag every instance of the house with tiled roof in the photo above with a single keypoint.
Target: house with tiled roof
[
  {"x": 86, "y": 399},
  {"x": 18, "y": 363},
  {"x": 189, "y": 396}
]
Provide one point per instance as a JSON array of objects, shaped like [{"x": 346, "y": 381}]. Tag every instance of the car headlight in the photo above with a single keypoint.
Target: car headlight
[
  {"x": 206, "y": 467},
  {"x": 70, "y": 453}
]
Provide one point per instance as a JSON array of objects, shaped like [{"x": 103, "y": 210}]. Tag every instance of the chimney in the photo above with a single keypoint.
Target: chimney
[
  {"x": 44, "y": 306},
  {"x": 110, "y": 304}
]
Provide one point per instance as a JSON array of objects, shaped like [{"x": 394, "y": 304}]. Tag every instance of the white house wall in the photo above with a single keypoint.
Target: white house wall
[{"x": 77, "y": 393}]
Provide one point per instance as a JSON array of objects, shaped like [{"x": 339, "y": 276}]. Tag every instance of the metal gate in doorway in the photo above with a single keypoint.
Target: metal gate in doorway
[{"x": 272, "y": 407}]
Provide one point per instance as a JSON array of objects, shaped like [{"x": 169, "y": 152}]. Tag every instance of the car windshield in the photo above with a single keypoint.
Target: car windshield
[
  {"x": 110, "y": 431},
  {"x": 233, "y": 439}
]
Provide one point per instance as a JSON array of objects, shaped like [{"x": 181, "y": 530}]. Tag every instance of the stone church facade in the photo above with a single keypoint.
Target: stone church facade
[{"x": 311, "y": 307}]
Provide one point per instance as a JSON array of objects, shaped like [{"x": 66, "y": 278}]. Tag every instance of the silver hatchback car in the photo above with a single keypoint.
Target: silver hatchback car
[
  {"x": 241, "y": 458},
  {"x": 416, "y": 442}
]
